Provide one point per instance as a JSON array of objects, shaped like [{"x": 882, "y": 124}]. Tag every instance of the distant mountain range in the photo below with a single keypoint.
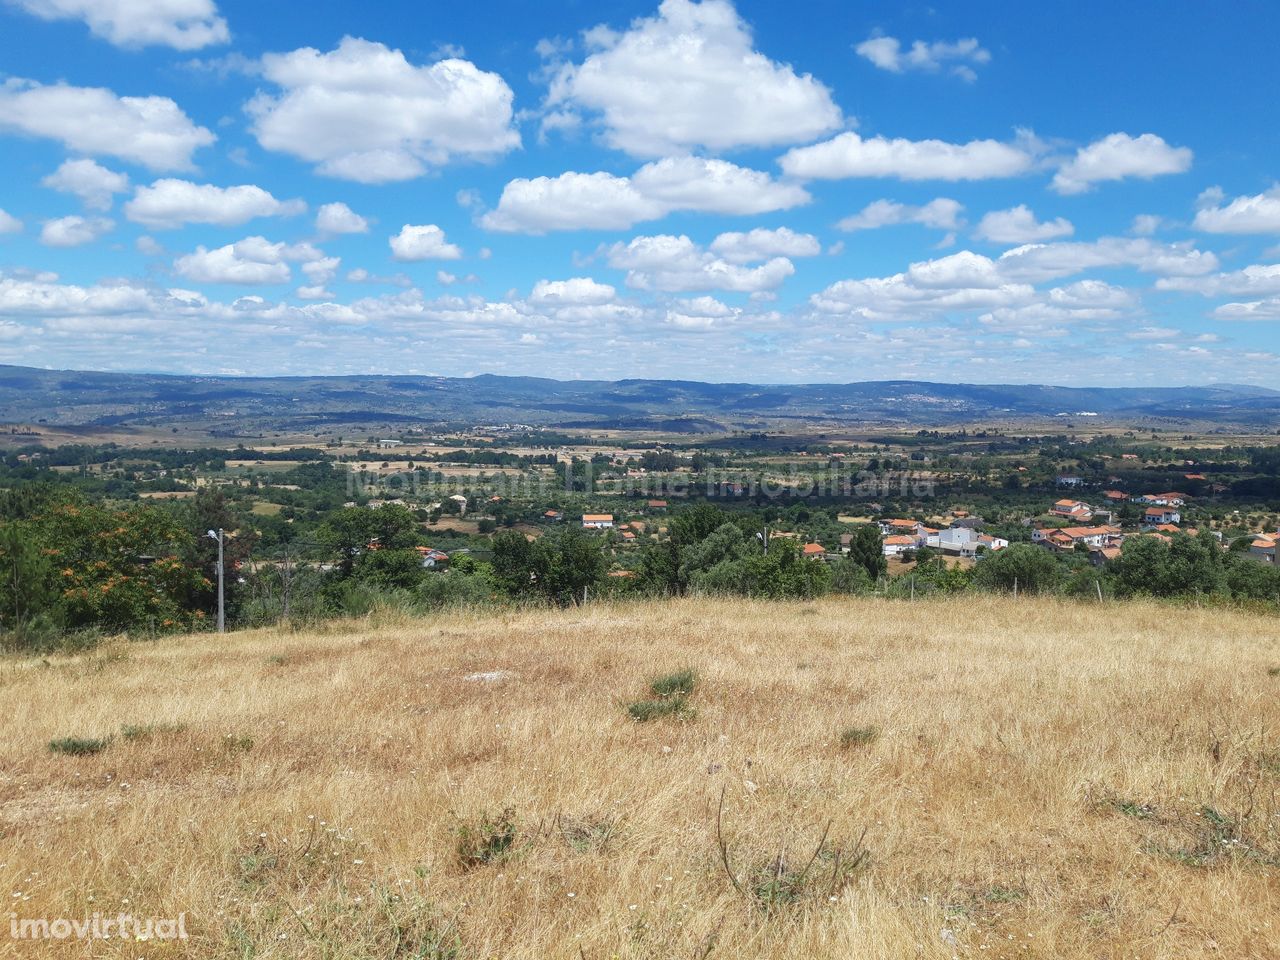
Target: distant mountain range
[{"x": 30, "y": 395}]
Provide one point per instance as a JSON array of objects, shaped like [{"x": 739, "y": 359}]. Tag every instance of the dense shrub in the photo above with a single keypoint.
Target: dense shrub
[
  {"x": 1248, "y": 579},
  {"x": 1148, "y": 566},
  {"x": 1029, "y": 568}
]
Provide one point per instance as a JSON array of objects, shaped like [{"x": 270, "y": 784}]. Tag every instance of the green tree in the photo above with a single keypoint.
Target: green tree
[
  {"x": 663, "y": 566},
  {"x": 660, "y": 567},
  {"x": 209, "y": 510},
  {"x": 1249, "y": 579},
  {"x": 519, "y": 567},
  {"x": 1032, "y": 569},
  {"x": 728, "y": 561},
  {"x": 27, "y": 590},
  {"x": 575, "y": 562},
  {"x": 783, "y": 572},
  {"x": 723, "y": 545},
  {"x": 850, "y": 576},
  {"x": 1148, "y": 566},
  {"x": 390, "y": 569},
  {"x": 867, "y": 551},
  {"x": 121, "y": 570},
  {"x": 696, "y": 524},
  {"x": 350, "y": 532},
  {"x": 559, "y": 567}
]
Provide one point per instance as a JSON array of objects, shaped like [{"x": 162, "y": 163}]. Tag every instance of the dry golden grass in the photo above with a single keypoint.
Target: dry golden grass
[{"x": 1036, "y": 786}]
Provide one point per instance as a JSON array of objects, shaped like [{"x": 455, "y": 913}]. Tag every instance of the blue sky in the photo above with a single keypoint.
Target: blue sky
[{"x": 816, "y": 191}]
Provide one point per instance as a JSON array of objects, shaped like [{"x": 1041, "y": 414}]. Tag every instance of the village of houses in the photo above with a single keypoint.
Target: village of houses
[
  {"x": 1072, "y": 526},
  {"x": 1068, "y": 526},
  {"x": 1075, "y": 525}
]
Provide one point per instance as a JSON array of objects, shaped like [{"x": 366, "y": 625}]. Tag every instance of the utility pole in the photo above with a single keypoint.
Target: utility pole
[{"x": 219, "y": 535}]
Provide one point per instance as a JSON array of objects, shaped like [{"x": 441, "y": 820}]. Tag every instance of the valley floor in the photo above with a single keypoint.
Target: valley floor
[{"x": 993, "y": 778}]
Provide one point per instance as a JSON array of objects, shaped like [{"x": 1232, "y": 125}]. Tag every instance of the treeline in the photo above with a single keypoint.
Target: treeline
[
  {"x": 165, "y": 458},
  {"x": 489, "y": 458},
  {"x": 72, "y": 570}
]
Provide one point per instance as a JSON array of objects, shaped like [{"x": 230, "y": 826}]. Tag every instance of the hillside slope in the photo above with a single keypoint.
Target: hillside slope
[
  {"x": 90, "y": 398},
  {"x": 1028, "y": 779}
]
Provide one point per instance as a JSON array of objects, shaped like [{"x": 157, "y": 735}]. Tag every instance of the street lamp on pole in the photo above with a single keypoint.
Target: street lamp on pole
[{"x": 218, "y": 535}]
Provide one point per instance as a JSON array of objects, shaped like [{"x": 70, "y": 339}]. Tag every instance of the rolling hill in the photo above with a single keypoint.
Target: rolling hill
[{"x": 108, "y": 399}]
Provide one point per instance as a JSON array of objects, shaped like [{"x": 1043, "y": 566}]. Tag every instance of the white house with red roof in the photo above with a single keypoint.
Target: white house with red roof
[
  {"x": 1264, "y": 547},
  {"x": 1072, "y": 510},
  {"x": 895, "y": 545},
  {"x": 1154, "y": 516},
  {"x": 901, "y": 528},
  {"x": 1172, "y": 499}
]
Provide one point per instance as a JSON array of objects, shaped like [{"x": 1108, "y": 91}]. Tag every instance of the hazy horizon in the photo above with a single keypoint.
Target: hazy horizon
[{"x": 761, "y": 383}]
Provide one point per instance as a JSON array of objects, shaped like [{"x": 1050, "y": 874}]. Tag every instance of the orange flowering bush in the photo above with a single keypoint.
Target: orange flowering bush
[{"x": 117, "y": 570}]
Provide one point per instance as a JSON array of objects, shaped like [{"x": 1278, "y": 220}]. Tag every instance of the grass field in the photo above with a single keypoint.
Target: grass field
[{"x": 847, "y": 779}]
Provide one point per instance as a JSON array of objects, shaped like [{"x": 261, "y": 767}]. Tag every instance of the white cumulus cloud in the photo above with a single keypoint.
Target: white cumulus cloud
[
  {"x": 700, "y": 313},
  {"x": 181, "y": 24},
  {"x": 761, "y": 244},
  {"x": 74, "y": 231},
  {"x": 1005, "y": 286},
  {"x": 95, "y": 185},
  {"x": 253, "y": 260},
  {"x": 1019, "y": 225},
  {"x": 169, "y": 204},
  {"x": 961, "y": 56},
  {"x": 677, "y": 264},
  {"x": 9, "y": 223},
  {"x": 1255, "y": 214},
  {"x": 363, "y": 112},
  {"x": 940, "y": 214},
  {"x": 1255, "y": 280},
  {"x": 850, "y": 155},
  {"x": 690, "y": 78},
  {"x": 424, "y": 242},
  {"x": 1118, "y": 156},
  {"x": 1249, "y": 310},
  {"x": 1145, "y": 224},
  {"x": 335, "y": 218},
  {"x": 714, "y": 186},
  {"x": 1044, "y": 261},
  {"x": 150, "y": 131},
  {"x": 1268, "y": 309},
  {"x": 577, "y": 291},
  {"x": 603, "y": 201},
  {"x": 571, "y": 201}
]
